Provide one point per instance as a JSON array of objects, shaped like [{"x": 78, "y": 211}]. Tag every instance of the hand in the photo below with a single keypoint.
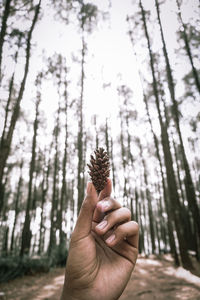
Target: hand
[{"x": 103, "y": 249}]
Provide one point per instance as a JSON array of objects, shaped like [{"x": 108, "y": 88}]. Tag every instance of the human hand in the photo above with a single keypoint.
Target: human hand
[{"x": 103, "y": 249}]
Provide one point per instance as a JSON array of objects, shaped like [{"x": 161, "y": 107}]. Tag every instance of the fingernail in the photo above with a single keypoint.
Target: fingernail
[
  {"x": 104, "y": 205},
  {"x": 110, "y": 239},
  {"x": 102, "y": 224}
]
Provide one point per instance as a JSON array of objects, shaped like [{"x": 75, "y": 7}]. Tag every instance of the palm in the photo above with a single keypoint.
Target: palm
[{"x": 99, "y": 263}]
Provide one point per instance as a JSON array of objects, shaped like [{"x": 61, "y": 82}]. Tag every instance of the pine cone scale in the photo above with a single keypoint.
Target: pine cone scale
[{"x": 99, "y": 169}]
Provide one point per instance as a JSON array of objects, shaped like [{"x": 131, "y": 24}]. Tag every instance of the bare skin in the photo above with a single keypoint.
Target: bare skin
[{"x": 103, "y": 249}]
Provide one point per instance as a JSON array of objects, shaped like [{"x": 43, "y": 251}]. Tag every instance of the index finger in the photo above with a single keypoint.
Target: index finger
[{"x": 106, "y": 192}]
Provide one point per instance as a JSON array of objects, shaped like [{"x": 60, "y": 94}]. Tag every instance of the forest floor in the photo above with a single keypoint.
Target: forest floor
[{"x": 151, "y": 279}]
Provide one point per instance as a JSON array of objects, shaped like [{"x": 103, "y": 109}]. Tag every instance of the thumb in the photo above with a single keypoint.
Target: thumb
[
  {"x": 84, "y": 221},
  {"x": 106, "y": 192}
]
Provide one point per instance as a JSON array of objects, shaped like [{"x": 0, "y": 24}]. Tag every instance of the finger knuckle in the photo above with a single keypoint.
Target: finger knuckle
[
  {"x": 136, "y": 226},
  {"x": 127, "y": 212}
]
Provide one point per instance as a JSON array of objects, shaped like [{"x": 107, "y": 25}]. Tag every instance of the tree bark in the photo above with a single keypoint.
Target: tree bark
[
  {"x": 188, "y": 49},
  {"x": 148, "y": 197},
  {"x": 52, "y": 239},
  {"x": 80, "y": 132},
  {"x": 3, "y": 31},
  {"x": 45, "y": 187},
  {"x": 17, "y": 199},
  {"x": 63, "y": 197},
  {"x": 26, "y": 232}
]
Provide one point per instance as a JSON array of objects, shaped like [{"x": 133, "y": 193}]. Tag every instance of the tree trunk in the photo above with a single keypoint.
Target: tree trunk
[
  {"x": 6, "y": 143},
  {"x": 3, "y": 31},
  {"x": 63, "y": 197},
  {"x": 148, "y": 197},
  {"x": 124, "y": 160},
  {"x": 172, "y": 187},
  {"x": 26, "y": 233},
  {"x": 189, "y": 186},
  {"x": 45, "y": 187},
  {"x": 165, "y": 191},
  {"x": 188, "y": 49},
  {"x": 52, "y": 239},
  {"x": 80, "y": 132},
  {"x": 17, "y": 199}
]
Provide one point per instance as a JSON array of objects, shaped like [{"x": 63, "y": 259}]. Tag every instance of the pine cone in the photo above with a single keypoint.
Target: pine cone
[{"x": 99, "y": 169}]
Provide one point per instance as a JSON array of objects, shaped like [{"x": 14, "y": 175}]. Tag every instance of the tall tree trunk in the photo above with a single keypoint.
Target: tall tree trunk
[
  {"x": 26, "y": 233},
  {"x": 17, "y": 199},
  {"x": 6, "y": 143},
  {"x": 3, "y": 30},
  {"x": 107, "y": 138},
  {"x": 45, "y": 187},
  {"x": 189, "y": 186},
  {"x": 171, "y": 180},
  {"x": 124, "y": 160},
  {"x": 148, "y": 197},
  {"x": 165, "y": 192},
  {"x": 80, "y": 132},
  {"x": 145, "y": 226},
  {"x": 187, "y": 48},
  {"x": 52, "y": 239},
  {"x": 63, "y": 197},
  {"x": 109, "y": 149},
  {"x": 141, "y": 239},
  {"x": 165, "y": 197},
  {"x": 11, "y": 84},
  {"x": 72, "y": 212}
]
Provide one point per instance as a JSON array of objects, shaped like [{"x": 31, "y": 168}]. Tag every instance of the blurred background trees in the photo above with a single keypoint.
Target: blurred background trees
[{"x": 150, "y": 128}]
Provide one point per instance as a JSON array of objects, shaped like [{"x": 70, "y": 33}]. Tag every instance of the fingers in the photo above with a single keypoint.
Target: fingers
[
  {"x": 108, "y": 204},
  {"x": 128, "y": 231},
  {"x": 106, "y": 192},
  {"x": 118, "y": 216},
  {"x": 117, "y": 226},
  {"x": 84, "y": 221}
]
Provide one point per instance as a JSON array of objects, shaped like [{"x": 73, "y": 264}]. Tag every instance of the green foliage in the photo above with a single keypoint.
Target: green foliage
[
  {"x": 58, "y": 256},
  {"x": 14, "y": 266}
]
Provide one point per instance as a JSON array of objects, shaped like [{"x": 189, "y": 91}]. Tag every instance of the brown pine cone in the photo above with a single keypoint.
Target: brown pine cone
[{"x": 99, "y": 169}]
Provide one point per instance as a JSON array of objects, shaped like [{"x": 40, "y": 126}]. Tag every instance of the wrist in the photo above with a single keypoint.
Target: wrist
[{"x": 68, "y": 295}]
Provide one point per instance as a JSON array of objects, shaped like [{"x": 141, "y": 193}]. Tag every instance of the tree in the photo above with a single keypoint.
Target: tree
[
  {"x": 7, "y": 140},
  {"x": 189, "y": 186},
  {"x": 26, "y": 233},
  {"x": 63, "y": 197},
  {"x": 3, "y": 30},
  {"x": 188, "y": 50},
  {"x": 171, "y": 180},
  {"x": 17, "y": 200},
  {"x": 53, "y": 216},
  {"x": 159, "y": 157}
]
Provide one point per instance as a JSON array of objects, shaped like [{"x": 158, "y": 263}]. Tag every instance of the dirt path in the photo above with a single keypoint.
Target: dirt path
[{"x": 152, "y": 279}]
